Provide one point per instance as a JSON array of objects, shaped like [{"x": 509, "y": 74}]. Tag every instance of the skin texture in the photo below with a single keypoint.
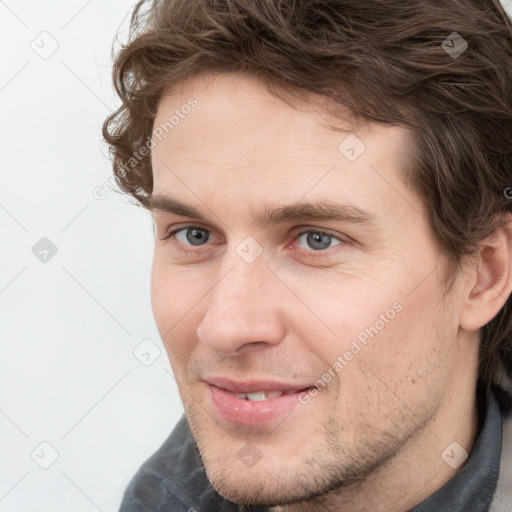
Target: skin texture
[{"x": 373, "y": 437}]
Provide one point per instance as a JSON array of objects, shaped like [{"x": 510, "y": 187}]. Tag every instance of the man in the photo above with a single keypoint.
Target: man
[{"x": 330, "y": 183}]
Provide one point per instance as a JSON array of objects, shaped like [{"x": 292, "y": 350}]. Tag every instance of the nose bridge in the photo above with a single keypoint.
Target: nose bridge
[
  {"x": 241, "y": 280},
  {"x": 241, "y": 308},
  {"x": 244, "y": 273}
]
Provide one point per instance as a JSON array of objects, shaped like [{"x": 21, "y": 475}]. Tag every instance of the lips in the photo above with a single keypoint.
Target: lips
[
  {"x": 258, "y": 396},
  {"x": 253, "y": 402},
  {"x": 253, "y": 385}
]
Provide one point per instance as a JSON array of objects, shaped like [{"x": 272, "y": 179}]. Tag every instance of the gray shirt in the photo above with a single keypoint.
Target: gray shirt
[{"x": 173, "y": 479}]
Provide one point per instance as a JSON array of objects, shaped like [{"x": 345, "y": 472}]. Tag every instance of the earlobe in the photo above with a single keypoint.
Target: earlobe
[{"x": 491, "y": 280}]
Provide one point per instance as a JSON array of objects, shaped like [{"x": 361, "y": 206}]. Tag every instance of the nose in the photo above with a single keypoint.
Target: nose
[{"x": 243, "y": 310}]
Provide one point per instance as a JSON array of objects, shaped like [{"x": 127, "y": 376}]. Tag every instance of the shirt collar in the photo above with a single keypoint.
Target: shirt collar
[{"x": 473, "y": 487}]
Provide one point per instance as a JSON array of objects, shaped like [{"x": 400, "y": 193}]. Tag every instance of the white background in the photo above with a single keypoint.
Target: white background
[{"x": 69, "y": 325}]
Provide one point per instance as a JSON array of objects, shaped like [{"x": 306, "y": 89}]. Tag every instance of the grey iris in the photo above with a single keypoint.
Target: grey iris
[
  {"x": 197, "y": 236},
  {"x": 318, "y": 241}
]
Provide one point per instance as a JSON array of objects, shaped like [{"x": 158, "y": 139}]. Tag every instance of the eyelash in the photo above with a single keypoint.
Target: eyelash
[{"x": 311, "y": 253}]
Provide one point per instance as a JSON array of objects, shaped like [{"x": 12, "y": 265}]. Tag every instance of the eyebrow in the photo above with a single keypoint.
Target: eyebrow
[{"x": 321, "y": 210}]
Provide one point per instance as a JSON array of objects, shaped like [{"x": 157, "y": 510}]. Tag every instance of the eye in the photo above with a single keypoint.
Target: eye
[
  {"x": 317, "y": 240},
  {"x": 192, "y": 235}
]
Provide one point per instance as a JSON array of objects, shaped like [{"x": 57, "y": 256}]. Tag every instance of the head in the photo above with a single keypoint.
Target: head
[{"x": 332, "y": 208}]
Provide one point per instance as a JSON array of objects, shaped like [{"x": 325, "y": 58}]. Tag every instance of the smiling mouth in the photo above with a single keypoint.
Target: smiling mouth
[
  {"x": 259, "y": 396},
  {"x": 254, "y": 402}
]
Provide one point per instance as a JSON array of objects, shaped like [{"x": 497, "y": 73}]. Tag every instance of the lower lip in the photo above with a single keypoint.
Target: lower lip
[{"x": 247, "y": 412}]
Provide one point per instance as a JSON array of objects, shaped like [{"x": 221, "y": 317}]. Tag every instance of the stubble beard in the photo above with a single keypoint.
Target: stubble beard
[{"x": 329, "y": 469}]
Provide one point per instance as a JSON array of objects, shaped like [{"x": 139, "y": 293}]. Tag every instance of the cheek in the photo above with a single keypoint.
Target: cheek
[
  {"x": 406, "y": 361},
  {"x": 343, "y": 307},
  {"x": 382, "y": 325},
  {"x": 174, "y": 300},
  {"x": 162, "y": 294}
]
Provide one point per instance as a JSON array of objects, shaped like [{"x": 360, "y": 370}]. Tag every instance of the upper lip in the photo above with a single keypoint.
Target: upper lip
[{"x": 253, "y": 385}]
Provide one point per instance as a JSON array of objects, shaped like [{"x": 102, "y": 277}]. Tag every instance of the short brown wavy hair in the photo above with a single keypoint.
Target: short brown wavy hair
[{"x": 385, "y": 61}]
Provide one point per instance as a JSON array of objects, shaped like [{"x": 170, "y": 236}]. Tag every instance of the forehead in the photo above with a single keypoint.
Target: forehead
[
  {"x": 243, "y": 107},
  {"x": 239, "y": 138}
]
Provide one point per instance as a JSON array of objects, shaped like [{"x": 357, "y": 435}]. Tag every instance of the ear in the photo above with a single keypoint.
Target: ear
[{"x": 490, "y": 280}]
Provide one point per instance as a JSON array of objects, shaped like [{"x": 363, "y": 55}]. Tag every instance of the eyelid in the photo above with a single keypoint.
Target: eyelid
[
  {"x": 296, "y": 233},
  {"x": 315, "y": 229},
  {"x": 170, "y": 233},
  {"x": 303, "y": 230},
  {"x": 318, "y": 254}
]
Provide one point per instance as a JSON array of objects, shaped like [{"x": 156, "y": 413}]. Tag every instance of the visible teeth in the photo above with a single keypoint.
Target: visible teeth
[{"x": 257, "y": 396}]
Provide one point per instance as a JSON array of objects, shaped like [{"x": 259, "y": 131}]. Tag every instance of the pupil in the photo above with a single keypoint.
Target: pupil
[
  {"x": 197, "y": 236},
  {"x": 318, "y": 241}
]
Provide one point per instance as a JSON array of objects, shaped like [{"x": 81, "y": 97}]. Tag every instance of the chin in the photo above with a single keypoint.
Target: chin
[
  {"x": 275, "y": 479},
  {"x": 272, "y": 480},
  {"x": 290, "y": 469},
  {"x": 258, "y": 487}
]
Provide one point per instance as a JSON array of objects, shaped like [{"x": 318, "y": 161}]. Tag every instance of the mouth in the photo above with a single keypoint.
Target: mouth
[
  {"x": 253, "y": 402},
  {"x": 259, "y": 396}
]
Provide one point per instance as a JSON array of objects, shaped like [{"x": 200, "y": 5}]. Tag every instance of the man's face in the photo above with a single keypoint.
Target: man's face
[{"x": 263, "y": 288}]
